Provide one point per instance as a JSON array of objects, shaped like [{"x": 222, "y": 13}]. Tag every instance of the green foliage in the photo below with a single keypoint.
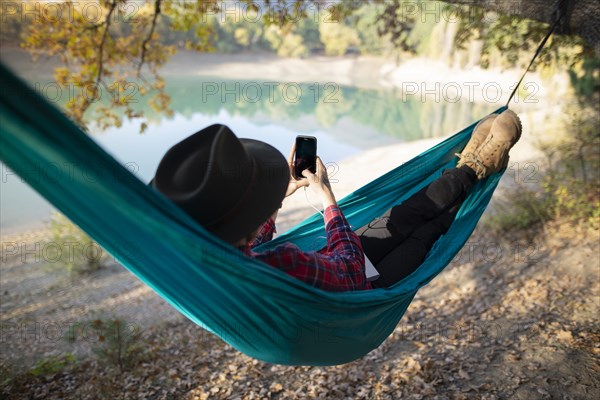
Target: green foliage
[
  {"x": 527, "y": 209},
  {"x": 52, "y": 364},
  {"x": 189, "y": 24},
  {"x": 292, "y": 46},
  {"x": 573, "y": 179},
  {"x": 235, "y": 34},
  {"x": 273, "y": 37},
  {"x": 242, "y": 36},
  {"x": 115, "y": 341},
  {"x": 286, "y": 44},
  {"x": 308, "y": 30},
  {"x": 71, "y": 248},
  {"x": 510, "y": 41},
  {"x": 421, "y": 34},
  {"x": 297, "y": 40},
  {"x": 585, "y": 79},
  {"x": 366, "y": 22},
  {"x": 337, "y": 37},
  {"x": 569, "y": 191},
  {"x": 574, "y": 202}
]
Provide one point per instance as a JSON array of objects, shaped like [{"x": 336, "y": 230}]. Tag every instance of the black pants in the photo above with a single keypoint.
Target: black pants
[{"x": 398, "y": 242}]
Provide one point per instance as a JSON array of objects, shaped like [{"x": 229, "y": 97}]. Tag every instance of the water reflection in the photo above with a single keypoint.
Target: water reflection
[{"x": 357, "y": 116}]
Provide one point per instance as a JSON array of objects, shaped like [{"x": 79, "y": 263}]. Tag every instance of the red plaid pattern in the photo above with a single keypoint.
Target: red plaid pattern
[{"x": 339, "y": 266}]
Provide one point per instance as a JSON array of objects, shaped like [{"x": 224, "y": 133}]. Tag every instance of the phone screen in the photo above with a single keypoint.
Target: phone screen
[{"x": 306, "y": 155}]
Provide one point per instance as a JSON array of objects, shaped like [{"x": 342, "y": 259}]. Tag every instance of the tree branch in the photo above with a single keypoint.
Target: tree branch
[
  {"x": 149, "y": 37},
  {"x": 100, "y": 61}
]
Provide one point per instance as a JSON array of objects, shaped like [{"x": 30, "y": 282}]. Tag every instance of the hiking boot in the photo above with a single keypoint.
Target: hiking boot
[
  {"x": 480, "y": 133},
  {"x": 492, "y": 155}
]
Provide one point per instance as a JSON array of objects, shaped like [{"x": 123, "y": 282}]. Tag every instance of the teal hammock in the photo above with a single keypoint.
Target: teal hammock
[{"x": 257, "y": 309}]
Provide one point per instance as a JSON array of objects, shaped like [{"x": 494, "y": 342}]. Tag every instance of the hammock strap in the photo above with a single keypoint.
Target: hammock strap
[{"x": 559, "y": 14}]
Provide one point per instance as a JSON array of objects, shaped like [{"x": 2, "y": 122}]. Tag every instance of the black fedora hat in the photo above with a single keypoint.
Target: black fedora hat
[{"x": 228, "y": 185}]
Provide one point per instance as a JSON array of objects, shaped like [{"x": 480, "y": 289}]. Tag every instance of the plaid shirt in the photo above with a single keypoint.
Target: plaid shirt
[{"x": 339, "y": 266}]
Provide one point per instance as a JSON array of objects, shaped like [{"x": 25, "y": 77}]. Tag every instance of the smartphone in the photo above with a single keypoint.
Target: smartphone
[{"x": 305, "y": 156}]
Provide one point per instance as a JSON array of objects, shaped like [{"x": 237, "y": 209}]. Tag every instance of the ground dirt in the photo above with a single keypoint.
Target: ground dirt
[{"x": 509, "y": 318}]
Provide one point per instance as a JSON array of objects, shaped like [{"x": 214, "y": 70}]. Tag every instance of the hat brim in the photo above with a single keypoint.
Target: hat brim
[{"x": 271, "y": 179}]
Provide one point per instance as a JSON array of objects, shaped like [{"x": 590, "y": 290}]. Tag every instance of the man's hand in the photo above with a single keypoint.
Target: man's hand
[
  {"x": 294, "y": 184},
  {"x": 319, "y": 183}
]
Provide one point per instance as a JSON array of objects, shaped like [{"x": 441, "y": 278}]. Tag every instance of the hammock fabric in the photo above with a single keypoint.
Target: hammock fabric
[{"x": 257, "y": 309}]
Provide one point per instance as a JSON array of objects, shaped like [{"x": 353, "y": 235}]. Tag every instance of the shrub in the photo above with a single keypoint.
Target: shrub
[
  {"x": 114, "y": 341},
  {"x": 73, "y": 249},
  {"x": 287, "y": 43},
  {"x": 573, "y": 201},
  {"x": 52, "y": 364},
  {"x": 527, "y": 209},
  {"x": 569, "y": 190},
  {"x": 292, "y": 46},
  {"x": 338, "y": 38},
  {"x": 573, "y": 177}
]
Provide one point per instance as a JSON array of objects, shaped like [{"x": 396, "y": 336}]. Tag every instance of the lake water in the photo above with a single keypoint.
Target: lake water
[{"x": 345, "y": 120}]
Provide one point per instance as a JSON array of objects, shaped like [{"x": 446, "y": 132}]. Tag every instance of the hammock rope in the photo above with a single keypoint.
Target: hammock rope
[{"x": 559, "y": 15}]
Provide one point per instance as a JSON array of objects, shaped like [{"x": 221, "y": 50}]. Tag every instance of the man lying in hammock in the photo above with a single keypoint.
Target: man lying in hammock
[{"x": 232, "y": 186}]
